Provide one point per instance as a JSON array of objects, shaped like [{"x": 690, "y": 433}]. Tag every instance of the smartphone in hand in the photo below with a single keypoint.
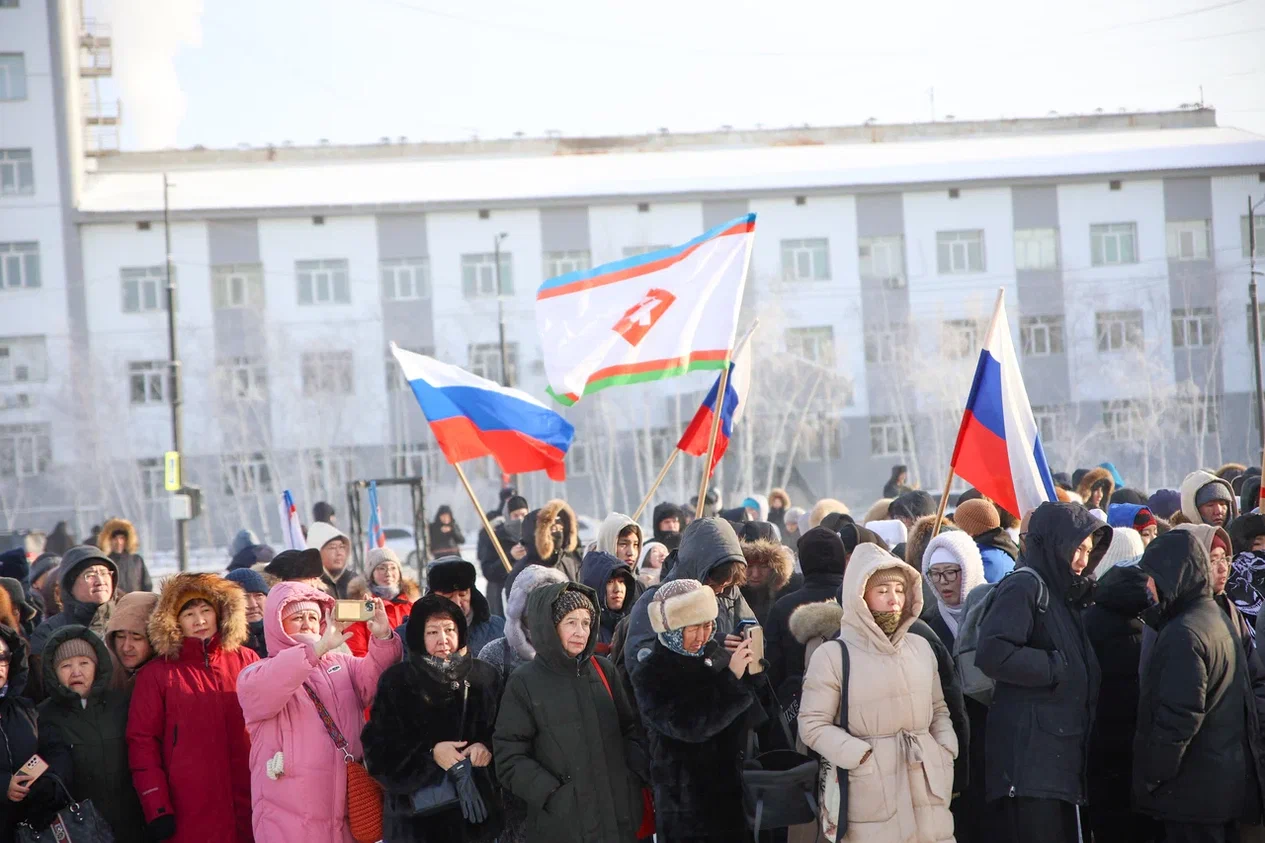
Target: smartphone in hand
[{"x": 33, "y": 768}]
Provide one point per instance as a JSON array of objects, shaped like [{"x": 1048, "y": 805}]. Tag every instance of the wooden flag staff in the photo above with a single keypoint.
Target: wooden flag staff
[
  {"x": 500, "y": 551},
  {"x": 658, "y": 481}
]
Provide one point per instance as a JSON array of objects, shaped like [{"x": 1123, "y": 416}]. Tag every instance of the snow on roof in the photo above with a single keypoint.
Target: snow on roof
[{"x": 466, "y": 181}]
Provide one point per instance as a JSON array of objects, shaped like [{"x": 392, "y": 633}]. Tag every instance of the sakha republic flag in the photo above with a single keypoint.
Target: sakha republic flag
[
  {"x": 645, "y": 317},
  {"x": 737, "y": 386},
  {"x": 998, "y": 449},
  {"x": 473, "y": 417}
]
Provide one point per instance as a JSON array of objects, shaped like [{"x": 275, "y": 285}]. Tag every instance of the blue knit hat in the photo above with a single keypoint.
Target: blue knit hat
[{"x": 251, "y": 581}]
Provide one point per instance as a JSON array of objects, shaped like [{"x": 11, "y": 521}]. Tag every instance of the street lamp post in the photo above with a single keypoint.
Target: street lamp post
[
  {"x": 500, "y": 308},
  {"x": 173, "y": 372},
  {"x": 1256, "y": 318}
]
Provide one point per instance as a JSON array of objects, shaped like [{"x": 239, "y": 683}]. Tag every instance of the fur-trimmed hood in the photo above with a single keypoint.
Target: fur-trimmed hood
[
  {"x": 108, "y": 529},
  {"x": 1091, "y": 479},
  {"x": 824, "y": 507},
  {"x": 774, "y": 554},
  {"x": 225, "y": 595},
  {"x": 537, "y": 537},
  {"x": 920, "y": 536},
  {"x": 410, "y": 591},
  {"x": 816, "y": 621},
  {"x": 531, "y": 578}
]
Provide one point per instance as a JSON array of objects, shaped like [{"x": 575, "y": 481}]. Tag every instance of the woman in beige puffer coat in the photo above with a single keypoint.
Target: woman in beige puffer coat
[{"x": 899, "y": 745}]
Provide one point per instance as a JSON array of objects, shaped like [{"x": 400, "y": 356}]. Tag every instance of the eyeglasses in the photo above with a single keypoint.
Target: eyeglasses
[
  {"x": 947, "y": 576},
  {"x": 96, "y": 573}
]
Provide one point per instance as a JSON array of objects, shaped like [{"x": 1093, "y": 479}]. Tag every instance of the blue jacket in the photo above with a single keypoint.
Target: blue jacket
[
  {"x": 1124, "y": 514},
  {"x": 997, "y": 563}
]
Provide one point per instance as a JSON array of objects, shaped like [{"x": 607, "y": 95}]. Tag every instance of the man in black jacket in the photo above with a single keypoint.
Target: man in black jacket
[
  {"x": 1193, "y": 756},
  {"x": 822, "y": 556},
  {"x": 1046, "y": 677},
  {"x": 508, "y": 527}
]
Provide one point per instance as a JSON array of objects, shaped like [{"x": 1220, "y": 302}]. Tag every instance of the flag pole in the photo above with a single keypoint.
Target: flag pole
[
  {"x": 654, "y": 487},
  {"x": 944, "y": 499},
  {"x": 500, "y": 551},
  {"x": 711, "y": 439}
]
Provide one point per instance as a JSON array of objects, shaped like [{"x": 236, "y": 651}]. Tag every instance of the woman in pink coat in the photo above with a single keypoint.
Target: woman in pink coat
[{"x": 298, "y": 777}]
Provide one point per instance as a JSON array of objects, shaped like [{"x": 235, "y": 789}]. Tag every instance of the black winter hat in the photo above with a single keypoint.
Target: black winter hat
[
  {"x": 836, "y": 521},
  {"x": 1062, "y": 480},
  {"x": 424, "y": 609},
  {"x": 13, "y": 564},
  {"x": 913, "y": 505},
  {"x": 1127, "y": 495},
  {"x": 80, "y": 557},
  {"x": 821, "y": 551},
  {"x": 322, "y": 511},
  {"x": 515, "y": 502},
  {"x": 853, "y": 535},
  {"x": 1243, "y": 529},
  {"x": 290, "y": 565},
  {"x": 1249, "y": 498},
  {"x": 449, "y": 574}
]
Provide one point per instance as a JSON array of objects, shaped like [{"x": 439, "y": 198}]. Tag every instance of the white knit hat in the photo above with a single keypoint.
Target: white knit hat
[{"x": 681, "y": 603}]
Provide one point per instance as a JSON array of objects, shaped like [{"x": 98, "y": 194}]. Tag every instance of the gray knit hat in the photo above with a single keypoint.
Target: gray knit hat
[
  {"x": 568, "y": 602},
  {"x": 75, "y": 647},
  {"x": 1215, "y": 491}
]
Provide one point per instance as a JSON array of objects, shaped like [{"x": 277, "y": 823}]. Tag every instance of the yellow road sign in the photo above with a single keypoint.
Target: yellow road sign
[{"x": 171, "y": 474}]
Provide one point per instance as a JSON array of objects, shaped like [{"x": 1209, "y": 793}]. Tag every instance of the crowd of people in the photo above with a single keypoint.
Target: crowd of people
[{"x": 1085, "y": 673}]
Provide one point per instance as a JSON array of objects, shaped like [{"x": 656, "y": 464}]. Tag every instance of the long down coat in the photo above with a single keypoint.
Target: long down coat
[
  {"x": 897, "y": 716},
  {"x": 304, "y": 795},
  {"x": 186, "y": 738}
]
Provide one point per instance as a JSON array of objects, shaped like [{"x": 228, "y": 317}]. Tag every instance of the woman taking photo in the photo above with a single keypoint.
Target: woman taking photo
[
  {"x": 432, "y": 722},
  {"x": 566, "y": 735},
  {"x": 898, "y": 746},
  {"x": 694, "y": 706},
  {"x": 298, "y": 778}
]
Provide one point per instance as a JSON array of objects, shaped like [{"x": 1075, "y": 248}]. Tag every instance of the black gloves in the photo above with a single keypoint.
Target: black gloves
[
  {"x": 472, "y": 807},
  {"x": 163, "y": 827}
]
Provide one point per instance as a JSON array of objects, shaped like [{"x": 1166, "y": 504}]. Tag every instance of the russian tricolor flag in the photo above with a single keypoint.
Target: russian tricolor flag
[
  {"x": 998, "y": 449},
  {"x": 472, "y": 417},
  {"x": 737, "y": 387},
  {"x": 291, "y": 528}
]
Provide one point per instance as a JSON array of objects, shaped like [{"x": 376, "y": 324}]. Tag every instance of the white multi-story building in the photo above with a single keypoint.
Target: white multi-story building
[{"x": 1119, "y": 240}]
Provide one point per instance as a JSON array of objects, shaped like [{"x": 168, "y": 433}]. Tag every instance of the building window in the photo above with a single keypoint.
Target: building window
[
  {"x": 478, "y": 275},
  {"x": 17, "y": 173},
  {"x": 579, "y": 461},
  {"x": 1259, "y": 223},
  {"x": 23, "y": 360},
  {"x": 1041, "y": 335},
  {"x": 323, "y": 282},
  {"x": 562, "y": 263},
  {"x": 395, "y": 375},
  {"x": 819, "y": 439},
  {"x": 12, "y": 76},
  {"x": 806, "y": 260},
  {"x": 959, "y": 252},
  {"x": 19, "y": 265},
  {"x": 960, "y": 338},
  {"x": 885, "y": 345},
  {"x": 1049, "y": 423},
  {"x": 1036, "y": 248},
  {"x": 416, "y": 459},
  {"x": 485, "y": 360},
  {"x": 8, "y": 4},
  {"x": 1195, "y": 415},
  {"x": 153, "y": 478},
  {"x": 1119, "y": 330},
  {"x": 238, "y": 286},
  {"x": 634, "y": 251},
  {"x": 1193, "y": 327},
  {"x": 327, "y": 471},
  {"x": 1122, "y": 419},
  {"x": 243, "y": 379},
  {"x": 25, "y": 449},
  {"x": 405, "y": 279},
  {"x": 147, "y": 381},
  {"x": 326, "y": 373},
  {"x": 1113, "y": 243},
  {"x": 1188, "y": 240},
  {"x": 143, "y": 288},
  {"x": 816, "y": 345},
  {"x": 882, "y": 259},
  {"x": 246, "y": 474},
  {"x": 888, "y": 437}
]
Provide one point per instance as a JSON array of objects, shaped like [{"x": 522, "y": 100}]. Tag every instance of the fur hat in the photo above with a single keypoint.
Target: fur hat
[
  {"x": 448, "y": 574},
  {"x": 290, "y": 565},
  {"x": 569, "y": 601},
  {"x": 73, "y": 648},
  {"x": 822, "y": 508},
  {"x": 227, "y": 598},
  {"x": 976, "y": 517},
  {"x": 681, "y": 603},
  {"x": 1094, "y": 478},
  {"x": 118, "y": 525}
]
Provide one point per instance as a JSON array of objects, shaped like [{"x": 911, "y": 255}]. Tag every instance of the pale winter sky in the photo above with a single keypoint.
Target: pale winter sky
[{"x": 224, "y": 72}]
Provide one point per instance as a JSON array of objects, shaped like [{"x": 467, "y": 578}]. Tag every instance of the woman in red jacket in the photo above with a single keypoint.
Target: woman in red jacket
[
  {"x": 386, "y": 580},
  {"x": 186, "y": 737}
]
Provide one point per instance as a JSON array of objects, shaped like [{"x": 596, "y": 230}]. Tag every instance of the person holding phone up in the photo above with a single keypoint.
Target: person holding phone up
[
  {"x": 694, "y": 703},
  {"x": 26, "y": 799}
]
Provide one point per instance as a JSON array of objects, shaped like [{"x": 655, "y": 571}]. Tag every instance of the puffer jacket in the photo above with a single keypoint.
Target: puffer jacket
[
  {"x": 566, "y": 745},
  {"x": 897, "y": 716},
  {"x": 95, "y": 735},
  {"x": 187, "y": 742},
  {"x": 298, "y": 777},
  {"x": 544, "y": 547}
]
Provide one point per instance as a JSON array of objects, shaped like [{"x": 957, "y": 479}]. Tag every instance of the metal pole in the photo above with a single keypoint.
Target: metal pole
[
  {"x": 500, "y": 310},
  {"x": 1256, "y": 318},
  {"x": 173, "y": 372}
]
